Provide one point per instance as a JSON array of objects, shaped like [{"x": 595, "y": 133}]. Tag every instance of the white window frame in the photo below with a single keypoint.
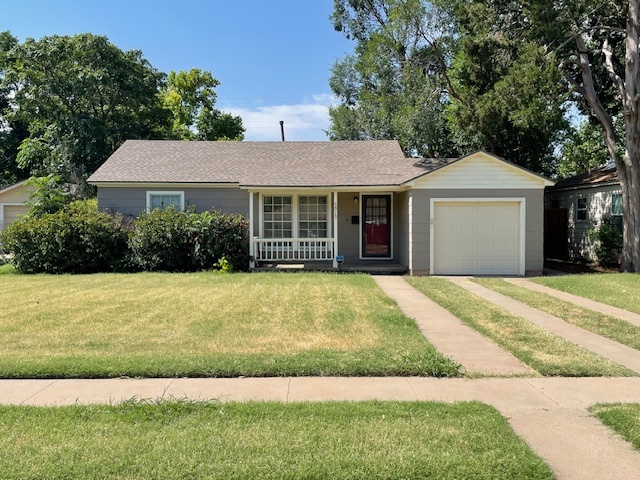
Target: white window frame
[
  {"x": 327, "y": 219},
  {"x": 295, "y": 217},
  {"x": 154, "y": 193},
  {"x": 585, "y": 209},
  {"x": 292, "y": 221}
]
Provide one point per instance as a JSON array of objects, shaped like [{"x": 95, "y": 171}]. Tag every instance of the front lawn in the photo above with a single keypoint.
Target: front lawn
[
  {"x": 599, "y": 323},
  {"x": 207, "y": 324},
  {"x": 624, "y": 418},
  {"x": 548, "y": 354},
  {"x": 337, "y": 440},
  {"x": 620, "y": 290}
]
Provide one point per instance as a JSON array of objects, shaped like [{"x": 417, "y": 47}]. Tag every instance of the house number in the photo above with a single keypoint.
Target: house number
[{"x": 335, "y": 211}]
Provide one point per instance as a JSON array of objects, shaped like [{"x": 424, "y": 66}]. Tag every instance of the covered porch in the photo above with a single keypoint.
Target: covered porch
[{"x": 315, "y": 229}]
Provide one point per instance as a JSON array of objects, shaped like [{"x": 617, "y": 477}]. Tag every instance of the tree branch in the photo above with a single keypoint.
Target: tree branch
[{"x": 608, "y": 62}]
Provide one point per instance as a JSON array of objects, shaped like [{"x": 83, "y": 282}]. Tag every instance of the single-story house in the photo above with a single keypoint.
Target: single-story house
[
  {"x": 13, "y": 203},
  {"x": 577, "y": 204},
  {"x": 362, "y": 201}
]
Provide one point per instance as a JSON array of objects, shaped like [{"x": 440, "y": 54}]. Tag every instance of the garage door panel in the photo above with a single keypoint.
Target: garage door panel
[{"x": 477, "y": 238}]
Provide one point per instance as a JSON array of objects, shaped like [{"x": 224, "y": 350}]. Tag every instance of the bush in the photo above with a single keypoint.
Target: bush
[
  {"x": 607, "y": 242},
  {"x": 76, "y": 239},
  {"x": 176, "y": 241}
]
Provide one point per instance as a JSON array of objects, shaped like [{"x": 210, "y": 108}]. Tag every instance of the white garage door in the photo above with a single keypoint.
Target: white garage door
[{"x": 476, "y": 238}]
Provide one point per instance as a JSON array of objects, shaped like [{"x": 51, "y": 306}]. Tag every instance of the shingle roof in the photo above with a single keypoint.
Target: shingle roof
[
  {"x": 597, "y": 177},
  {"x": 262, "y": 164}
]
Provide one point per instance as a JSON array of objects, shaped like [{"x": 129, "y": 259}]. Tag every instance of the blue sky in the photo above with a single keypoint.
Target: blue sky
[{"x": 272, "y": 57}]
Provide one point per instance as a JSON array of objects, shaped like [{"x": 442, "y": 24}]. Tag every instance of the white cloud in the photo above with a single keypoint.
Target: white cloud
[{"x": 303, "y": 121}]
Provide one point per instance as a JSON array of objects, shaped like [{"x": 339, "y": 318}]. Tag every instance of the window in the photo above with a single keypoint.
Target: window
[
  {"x": 616, "y": 212},
  {"x": 277, "y": 212},
  {"x": 581, "y": 210},
  {"x": 164, "y": 200},
  {"x": 312, "y": 216}
]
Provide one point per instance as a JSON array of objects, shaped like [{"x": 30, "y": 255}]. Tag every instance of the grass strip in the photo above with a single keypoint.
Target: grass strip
[
  {"x": 623, "y": 418},
  {"x": 207, "y": 325},
  {"x": 543, "y": 351},
  {"x": 337, "y": 440},
  {"x": 596, "y": 322},
  {"x": 620, "y": 290}
]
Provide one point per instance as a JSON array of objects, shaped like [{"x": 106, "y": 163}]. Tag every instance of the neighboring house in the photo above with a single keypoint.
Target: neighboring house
[
  {"x": 581, "y": 202},
  {"x": 363, "y": 200},
  {"x": 13, "y": 203}
]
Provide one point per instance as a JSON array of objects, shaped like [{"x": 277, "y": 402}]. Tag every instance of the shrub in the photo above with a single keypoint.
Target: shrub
[
  {"x": 607, "y": 242},
  {"x": 76, "y": 239},
  {"x": 176, "y": 241}
]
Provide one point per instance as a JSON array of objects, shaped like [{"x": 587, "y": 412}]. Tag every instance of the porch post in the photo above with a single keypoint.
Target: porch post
[
  {"x": 252, "y": 261},
  {"x": 335, "y": 229}
]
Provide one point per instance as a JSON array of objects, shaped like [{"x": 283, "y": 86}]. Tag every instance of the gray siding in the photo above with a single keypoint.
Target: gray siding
[
  {"x": 348, "y": 234},
  {"x": 401, "y": 228},
  {"x": 133, "y": 200},
  {"x": 598, "y": 205},
  {"x": 421, "y": 199}
]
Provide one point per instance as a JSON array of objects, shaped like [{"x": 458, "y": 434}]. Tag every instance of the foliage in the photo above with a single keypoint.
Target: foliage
[
  {"x": 583, "y": 151},
  {"x": 81, "y": 97},
  {"x": 622, "y": 418},
  {"x": 47, "y": 195},
  {"x": 394, "y": 87},
  {"x": 76, "y": 239},
  {"x": 607, "y": 242},
  {"x": 190, "y": 97},
  {"x": 508, "y": 96},
  {"x": 172, "y": 240},
  {"x": 68, "y": 102}
]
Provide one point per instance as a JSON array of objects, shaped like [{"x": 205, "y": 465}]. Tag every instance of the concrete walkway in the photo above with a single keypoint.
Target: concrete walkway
[
  {"x": 449, "y": 335},
  {"x": 614, "y": 351},
  {"x": 548, "y": 413},
  {"x": 583, "y": 302}
]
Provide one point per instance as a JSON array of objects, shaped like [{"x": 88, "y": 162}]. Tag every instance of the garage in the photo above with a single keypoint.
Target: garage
[{"x": 478, "y": 237}]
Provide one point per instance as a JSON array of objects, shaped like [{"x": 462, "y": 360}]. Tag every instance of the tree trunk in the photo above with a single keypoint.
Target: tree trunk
[{"x": 629, "y": 166}]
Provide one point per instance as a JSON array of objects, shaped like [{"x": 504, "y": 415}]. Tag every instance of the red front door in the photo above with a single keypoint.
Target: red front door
[{"x": 376, "y": 227}]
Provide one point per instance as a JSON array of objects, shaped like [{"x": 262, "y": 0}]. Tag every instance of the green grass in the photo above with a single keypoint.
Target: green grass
[
  {"x": 620, "y": 290},
  {"x": 207, "y": 325},
  {"x": 7, "y": 269},
  {"x": 543, "y": 351},
  {"x": 623, "y": 418},
  {"x": 337, "y": 440},
  {"x": 605, "y": 325}
]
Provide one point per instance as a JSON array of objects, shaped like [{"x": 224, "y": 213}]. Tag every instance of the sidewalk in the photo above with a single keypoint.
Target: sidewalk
[
  {"x": 582, "y": 301},
  {"x": 449, "y": 335},
  {"x": 548, "y": 413},
  {"x": 605, "y": 347}
]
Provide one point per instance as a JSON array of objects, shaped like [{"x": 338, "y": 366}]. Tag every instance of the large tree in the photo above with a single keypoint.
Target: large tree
[
  {"x": 80, "y": 98},
  {"x": 394, "y": 86},
  {"x": 191, "y": 97}
]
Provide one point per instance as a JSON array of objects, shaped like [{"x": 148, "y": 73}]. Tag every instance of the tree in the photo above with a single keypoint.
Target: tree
[
  {"x": 79, "y": 97},
  {"x": 190, "y": 97},
  {"x": 508, "y": 95},
  {"x": 394, "y": 87}
]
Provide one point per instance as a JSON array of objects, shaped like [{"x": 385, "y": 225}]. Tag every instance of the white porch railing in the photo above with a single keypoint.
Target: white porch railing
[{"x": 282, "y": 249}]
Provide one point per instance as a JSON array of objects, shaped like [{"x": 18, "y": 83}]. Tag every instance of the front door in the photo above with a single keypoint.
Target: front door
[{"x": 376, "y": 227}]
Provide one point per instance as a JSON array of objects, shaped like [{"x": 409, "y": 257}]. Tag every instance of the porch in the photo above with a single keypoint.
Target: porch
[{"x": 313, "y": 228}]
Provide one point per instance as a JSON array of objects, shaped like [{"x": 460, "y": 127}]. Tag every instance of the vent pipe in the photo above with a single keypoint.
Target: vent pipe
[{"x": 282, "y": 129}]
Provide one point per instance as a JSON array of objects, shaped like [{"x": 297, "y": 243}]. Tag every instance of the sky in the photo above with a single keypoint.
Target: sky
[{"x": 272, "y": 57}]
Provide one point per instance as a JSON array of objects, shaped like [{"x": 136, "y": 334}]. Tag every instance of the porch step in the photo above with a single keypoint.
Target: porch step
[{"x": 377, "y": 268}]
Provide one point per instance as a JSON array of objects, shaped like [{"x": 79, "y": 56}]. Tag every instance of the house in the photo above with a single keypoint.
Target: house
[
  {"x": 13, "y": 203},
  {"x": 361, "y": 200},
  {"x": 577, "y": 204}
]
